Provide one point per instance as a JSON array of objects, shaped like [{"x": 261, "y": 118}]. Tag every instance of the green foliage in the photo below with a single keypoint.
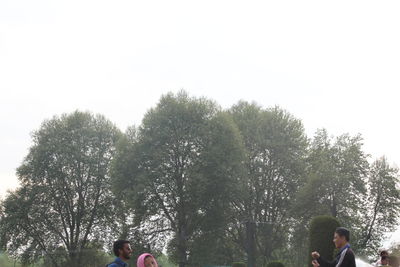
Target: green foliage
[
  {"x": 215, "y": 248},
  {"x": 92, "y": 257},
  {"x": 238, "y": 264},
  {"x": 184, "y": 165},
  {"x": 275, "y": 264},
  {"x": 382, "y": 205},
  {"x": 6, "y": 261},
  {"x": 275, "y": 145},
  {"x": 164, "y": 261},
  {"x": 342, "y": 183},
  {"x": 337, "y": 171},
  {"x": 191, "y": 175},
  {"x": 64, "y": 202},
  {"x": 322, "y": 229},
  {"x": 335, "y": 184}
]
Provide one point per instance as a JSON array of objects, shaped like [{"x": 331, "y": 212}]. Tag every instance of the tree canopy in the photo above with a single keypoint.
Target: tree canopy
[
  {"x": 206, "y": 184},
  {"x": 65, "y": 198}
]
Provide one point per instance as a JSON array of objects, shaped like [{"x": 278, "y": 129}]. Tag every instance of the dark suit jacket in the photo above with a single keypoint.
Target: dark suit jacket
[{"x": 349, "y": 260}]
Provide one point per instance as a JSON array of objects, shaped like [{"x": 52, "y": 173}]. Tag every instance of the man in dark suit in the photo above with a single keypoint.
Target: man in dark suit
[{"x": 345, "y": 257}]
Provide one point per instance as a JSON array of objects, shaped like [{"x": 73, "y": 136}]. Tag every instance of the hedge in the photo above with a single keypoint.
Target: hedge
[
  {"x": 238, "y": 264},
  {"x": 275, "y": 264},
  {"x": 322, "y": 229}
]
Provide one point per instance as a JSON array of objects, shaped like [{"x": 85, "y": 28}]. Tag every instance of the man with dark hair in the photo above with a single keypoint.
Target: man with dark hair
[
  {"x": 345, "y": 257},
  {"x": 122, "y": 250}
]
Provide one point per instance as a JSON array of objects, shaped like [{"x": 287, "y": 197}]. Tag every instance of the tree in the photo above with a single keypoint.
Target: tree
[
  {"x": 64, "y": 201},
  {"x": 337, "y": 171},
  {"x": 187, "y": 158},
  {"x": 322, "y": 229},
  {"x": 275, "y": 145},
  {"x": 381, "y": 211},
  {"x": 335, "y": 185}
]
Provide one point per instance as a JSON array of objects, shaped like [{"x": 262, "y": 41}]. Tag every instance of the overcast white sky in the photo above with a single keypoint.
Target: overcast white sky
[{"x": 334, "y": 64}]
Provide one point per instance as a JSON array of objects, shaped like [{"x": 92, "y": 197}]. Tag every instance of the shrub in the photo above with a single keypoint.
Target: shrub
[
  {"x": 275, "y": 264},
  {"x": 238, "y": 264},
  {"x": 322, "y": 229}
]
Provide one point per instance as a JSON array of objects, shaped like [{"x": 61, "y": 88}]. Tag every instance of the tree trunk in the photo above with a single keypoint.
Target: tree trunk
[{"x": 182, "y": 246}]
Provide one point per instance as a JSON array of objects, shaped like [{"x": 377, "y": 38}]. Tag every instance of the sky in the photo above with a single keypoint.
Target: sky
[{"x": 333, "y": 64}]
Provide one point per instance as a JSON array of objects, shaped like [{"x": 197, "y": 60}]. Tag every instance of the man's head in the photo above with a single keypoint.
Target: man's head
[
  {"x": 341, "y": 237},
  {"x": 385, "y": 260},
  {"x": 384, "y": 253},
  {"x": 122, "y": 249}
]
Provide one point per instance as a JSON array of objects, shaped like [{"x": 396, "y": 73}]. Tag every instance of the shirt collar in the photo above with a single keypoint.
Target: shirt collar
[
  {"x": 343, "y": 248},
  {"x": 121, "y": 262}
]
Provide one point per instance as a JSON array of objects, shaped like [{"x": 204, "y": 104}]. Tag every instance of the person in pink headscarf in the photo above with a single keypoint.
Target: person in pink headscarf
[{"x": 146, "y": 260}]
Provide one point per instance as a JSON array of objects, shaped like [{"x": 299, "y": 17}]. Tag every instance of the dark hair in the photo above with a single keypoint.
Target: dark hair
[
  {"x": 341, "y": 231},
  {"x": 119, "y": 244},
  {"x": 383, "y": 253}
]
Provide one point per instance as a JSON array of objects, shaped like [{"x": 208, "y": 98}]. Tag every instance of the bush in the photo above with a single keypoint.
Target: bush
[
  {"x": 322, "y": 229},
  {"x": 275, "y": 264},
  {"x": 238, "y": 264},
  {"x": 6, "y": 261}
]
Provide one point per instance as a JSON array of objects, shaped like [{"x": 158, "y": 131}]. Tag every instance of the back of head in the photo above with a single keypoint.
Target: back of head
[
  {"x": 341, "y": 231},
  {"x": 119, "y": 244},
  {"x": 384, "y": 253}
]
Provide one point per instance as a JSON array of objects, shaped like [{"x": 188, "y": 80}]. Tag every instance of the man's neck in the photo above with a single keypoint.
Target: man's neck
[
  {"x": 343, "y": 246},
  {"x": 123, "y": 259}
]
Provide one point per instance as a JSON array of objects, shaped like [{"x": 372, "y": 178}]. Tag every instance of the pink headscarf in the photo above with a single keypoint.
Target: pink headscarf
[{"x": 140, "y": 260}]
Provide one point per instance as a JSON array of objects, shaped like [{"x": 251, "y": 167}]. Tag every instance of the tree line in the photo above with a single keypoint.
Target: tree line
[{"x": 188, "y": 180}]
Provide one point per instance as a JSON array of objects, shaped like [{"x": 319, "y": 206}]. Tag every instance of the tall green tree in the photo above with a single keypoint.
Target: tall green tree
[
  {"x": 64, "y": 201},
  {"x": 381, "y": 210},
  {"x": 337, "y": 175},
  {"x": 276, "y": 146},
  {"x": 187, "y": 158},
  {"x": 336, "y": 184}
]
